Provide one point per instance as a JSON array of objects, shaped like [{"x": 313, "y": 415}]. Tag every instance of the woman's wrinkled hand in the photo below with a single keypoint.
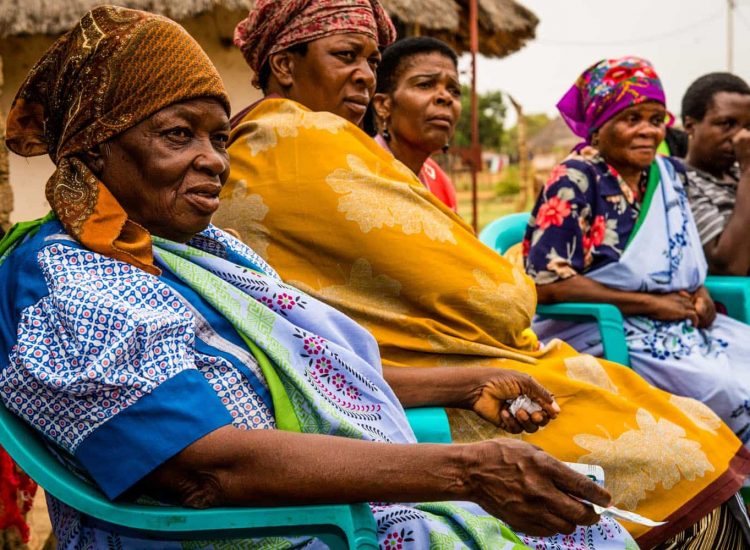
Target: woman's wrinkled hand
[
  {"x": 490, "y": 401},
  {"x": 704, "y": 307},
  {"x": 528, "y": 489},
  {"x": 673, "y": 306}
]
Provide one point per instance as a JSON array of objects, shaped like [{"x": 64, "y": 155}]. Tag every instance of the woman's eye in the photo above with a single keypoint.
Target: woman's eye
[
  {"x": 455, "y": 92},
  {"x": 424, "y": 85},
  {"x": 179, "y": 133},
  {"x": 221, "y": 140},
  {"x": 347, "y": 56}
]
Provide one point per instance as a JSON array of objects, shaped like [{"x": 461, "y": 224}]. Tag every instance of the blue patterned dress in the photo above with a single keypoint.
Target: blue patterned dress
[{"x": 120, "y": 370}]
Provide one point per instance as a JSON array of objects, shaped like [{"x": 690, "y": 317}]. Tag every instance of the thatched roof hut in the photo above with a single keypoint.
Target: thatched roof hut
[
  {"x": 504, "y": 25},
  {"x": 28, "y": 27}
]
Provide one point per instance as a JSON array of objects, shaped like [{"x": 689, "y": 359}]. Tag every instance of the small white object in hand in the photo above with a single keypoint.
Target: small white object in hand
[{"x": 523, "y": 402}]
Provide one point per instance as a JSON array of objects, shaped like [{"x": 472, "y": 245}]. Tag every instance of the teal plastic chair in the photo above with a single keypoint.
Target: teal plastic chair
[
  {"x": 733, "y": 293},
  {"x": 430, "y": 424},
  {"x": 339, "y": 526},
  {"x": 507, "y": 231}
]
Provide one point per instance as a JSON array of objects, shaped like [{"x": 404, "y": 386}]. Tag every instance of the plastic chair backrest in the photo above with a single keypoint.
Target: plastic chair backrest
[
  {"x": 504, "y": 232},
  {"x": 509, "y": 230},
  {"x": 340, "y": 526}
]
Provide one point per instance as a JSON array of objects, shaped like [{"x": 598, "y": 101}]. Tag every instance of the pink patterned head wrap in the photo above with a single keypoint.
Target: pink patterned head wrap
[
  {"x": 276, "y": 25},
  {"x": 605, "y": 89}
]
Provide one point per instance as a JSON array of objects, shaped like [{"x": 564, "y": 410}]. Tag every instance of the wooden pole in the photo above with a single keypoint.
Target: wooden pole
[
  {"x": 526, "y": 185},
  {"x": 6, "y": 193},
  {"x": 730, "y": 35},
  {"x": 476, "y": 156}
]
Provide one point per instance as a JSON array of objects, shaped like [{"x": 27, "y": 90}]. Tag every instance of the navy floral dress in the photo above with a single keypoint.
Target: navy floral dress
[
  {"x": 582, "y": 219},
  {"x": 582, "y": 224}
]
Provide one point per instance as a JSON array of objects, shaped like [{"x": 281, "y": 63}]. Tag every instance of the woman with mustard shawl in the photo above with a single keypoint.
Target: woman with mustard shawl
[
  {"x": 159, "y": 357},
  {"x": 339, "y": 216}
]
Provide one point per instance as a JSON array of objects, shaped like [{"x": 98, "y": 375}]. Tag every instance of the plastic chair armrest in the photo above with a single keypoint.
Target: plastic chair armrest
[
  {"x": 430, "y": 424},
  {"x": 608, "y": 317},
  {"x": 733, "y": 293}
]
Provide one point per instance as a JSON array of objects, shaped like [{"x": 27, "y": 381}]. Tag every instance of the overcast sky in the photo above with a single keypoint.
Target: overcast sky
[{"x": 682, "y": 38}]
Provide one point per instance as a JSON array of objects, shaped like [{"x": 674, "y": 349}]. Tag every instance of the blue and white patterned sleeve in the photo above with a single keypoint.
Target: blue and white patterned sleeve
[{"x": 103, "y": 366}]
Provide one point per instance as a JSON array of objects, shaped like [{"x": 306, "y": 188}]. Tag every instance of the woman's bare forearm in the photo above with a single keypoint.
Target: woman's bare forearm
[
  {"x": 580, "y": 288},
  {"x": 437, "y": 386},
  {"x": 233, "y": 467}
]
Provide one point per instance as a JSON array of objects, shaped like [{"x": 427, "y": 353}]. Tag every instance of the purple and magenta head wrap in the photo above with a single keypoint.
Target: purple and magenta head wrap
[
  {"x": 276, "y": 25},
  {"x": 605, "y": 89}
]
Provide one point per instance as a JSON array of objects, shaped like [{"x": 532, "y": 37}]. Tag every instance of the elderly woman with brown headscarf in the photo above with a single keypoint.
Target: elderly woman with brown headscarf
[
  {"x": 158, "y": 356},
  {"x": 350, "y": 225}
]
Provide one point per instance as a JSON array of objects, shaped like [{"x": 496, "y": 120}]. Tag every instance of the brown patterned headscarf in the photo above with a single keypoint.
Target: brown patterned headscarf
[
  {"x": 114, "y": 69},
  {"x": 276, "y": 25}
]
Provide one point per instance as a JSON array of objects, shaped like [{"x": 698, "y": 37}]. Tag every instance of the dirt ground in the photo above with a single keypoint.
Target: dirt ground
[{"x": 39, "y": 522}]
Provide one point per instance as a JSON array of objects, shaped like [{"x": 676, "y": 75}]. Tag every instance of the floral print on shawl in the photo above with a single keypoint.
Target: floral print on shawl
[{"x": 582, "y": 219}]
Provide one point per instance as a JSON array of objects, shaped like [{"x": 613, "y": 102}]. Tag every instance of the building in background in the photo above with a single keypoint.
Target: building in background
[{"x": 28, "y": 28}]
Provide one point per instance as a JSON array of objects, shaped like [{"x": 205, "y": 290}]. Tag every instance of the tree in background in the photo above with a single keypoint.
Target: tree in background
[
  {"x": 534, "y": 123},
  {"x": 491, "y": 111}
]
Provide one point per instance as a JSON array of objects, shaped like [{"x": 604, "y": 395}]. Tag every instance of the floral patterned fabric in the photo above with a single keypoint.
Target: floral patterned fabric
[
  {"x": 357, "y": 230},
  {"x": 582, "y": 219},
  {"x": 276, "y": 25},
  {"x": 120, "y": 370},
  {"x": 605, "y": 89}
]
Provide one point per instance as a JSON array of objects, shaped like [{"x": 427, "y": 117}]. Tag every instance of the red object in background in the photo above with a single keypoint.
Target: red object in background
[
  {"x": 439, "y": 184},
  {"x": 17, "y": 492}
]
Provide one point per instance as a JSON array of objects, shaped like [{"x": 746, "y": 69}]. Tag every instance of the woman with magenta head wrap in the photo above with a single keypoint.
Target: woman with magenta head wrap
[{"x": 613, "y": 225}]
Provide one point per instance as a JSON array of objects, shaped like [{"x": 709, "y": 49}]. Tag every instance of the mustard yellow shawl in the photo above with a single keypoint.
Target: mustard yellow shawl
[{"x": 340, "y": 218}]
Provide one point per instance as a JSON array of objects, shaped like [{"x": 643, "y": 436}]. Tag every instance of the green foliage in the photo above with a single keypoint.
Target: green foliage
[
  {"x": 509, "y": 183},
  {"x": 491, "y": 110}
]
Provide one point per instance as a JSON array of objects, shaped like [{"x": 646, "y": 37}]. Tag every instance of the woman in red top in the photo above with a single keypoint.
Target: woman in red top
[{"x": 416, "y": 107}]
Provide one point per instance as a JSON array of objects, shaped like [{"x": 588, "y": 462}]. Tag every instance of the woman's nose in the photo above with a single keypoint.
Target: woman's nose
[
  {"x": 365, "y": 75},
  {"x": 211, "y": 160},
  {"x": 443, "y": 97}
]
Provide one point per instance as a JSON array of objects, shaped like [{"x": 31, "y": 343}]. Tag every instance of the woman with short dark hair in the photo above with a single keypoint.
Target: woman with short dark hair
[{"x": 416, "y": 107}]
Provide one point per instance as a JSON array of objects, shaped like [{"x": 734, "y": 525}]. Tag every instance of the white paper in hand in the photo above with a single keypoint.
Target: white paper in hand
[
  {"x": 523, "y": 402},
  {"x": 624, "y": 514}
]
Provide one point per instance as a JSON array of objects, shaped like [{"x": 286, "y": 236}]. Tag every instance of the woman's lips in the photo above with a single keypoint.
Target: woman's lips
[
  {"x": 357, "y": 105},
  {"x": 442, "y": 123},
  {"x": 204, "y": 198}
]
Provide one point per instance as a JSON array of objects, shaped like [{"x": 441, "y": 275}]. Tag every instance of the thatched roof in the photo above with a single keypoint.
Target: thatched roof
[
  {"x": 57, "y": 16},
  {"x": 554, "y": 137},
  {"x": 505, "y": 25},
  {"x": 427, "y": 14}
]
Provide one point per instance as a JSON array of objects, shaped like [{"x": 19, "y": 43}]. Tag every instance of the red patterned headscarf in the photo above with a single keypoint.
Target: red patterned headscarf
[
  {"x": 114, "y": 69},
  {"x": 276, "y": 25}
]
